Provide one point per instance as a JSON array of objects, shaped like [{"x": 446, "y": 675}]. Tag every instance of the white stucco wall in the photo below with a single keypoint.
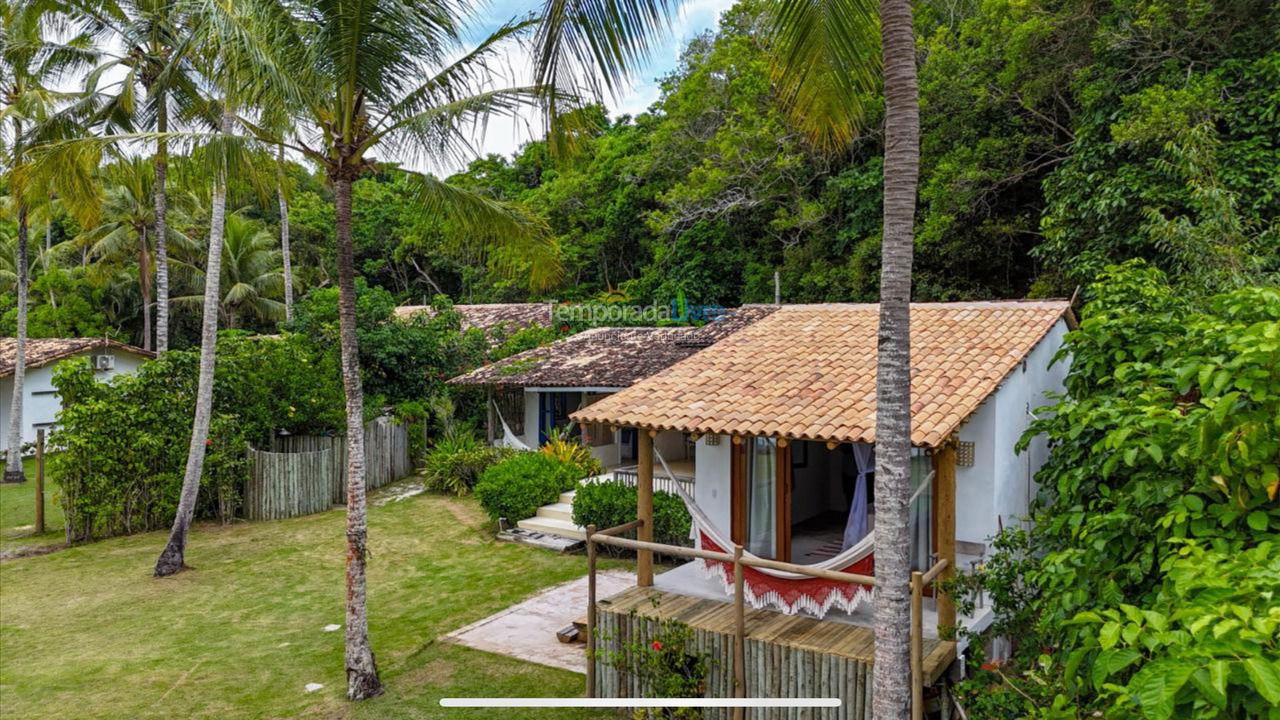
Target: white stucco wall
[
  {"x": 608, "y": 455},
  {"x": 531, "y": 419},
  {"x": 997, "y": 489},
  {"x": 40, "y": 403},
  {"x": 712, "y": 490}
]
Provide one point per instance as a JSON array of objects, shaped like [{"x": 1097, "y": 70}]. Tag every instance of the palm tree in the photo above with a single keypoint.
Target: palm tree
[
  {"x": 376, "y": 75},
  {"x": 825, "y": 65},
  {"x": 156, "y": 40},
  {"x": 284, "y": 236},
  {"x": 251, "y": 274},
  {"x": 28, "y": 63},
  {"x": 129, "y": 229},
  {"x": 173, "y": 558}
]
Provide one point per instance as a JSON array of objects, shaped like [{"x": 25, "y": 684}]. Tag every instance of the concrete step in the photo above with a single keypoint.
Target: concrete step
[
  {"x": 554, "y": 543},
  {"x": 567, "y": 497},
  {"x": 552, "y": 526},
  {"x": 557, "y": 511}
]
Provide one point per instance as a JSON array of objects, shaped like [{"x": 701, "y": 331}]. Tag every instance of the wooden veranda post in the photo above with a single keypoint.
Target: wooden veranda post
[
  {"x": 39, "y": 481},
  {"x": 944, "y": 466},
  {"x": 739, "y": 633},
  {"x": 489, "y": 424},
  {"x": 644, "y": 507},
  {"x": 917, "y": 645},
  {"x": 591, "y": 611}
]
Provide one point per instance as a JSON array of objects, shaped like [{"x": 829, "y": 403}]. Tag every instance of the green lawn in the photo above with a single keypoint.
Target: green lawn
[
  {"x": 88, "y": 632},
  {"x": 18, "y": 512}
]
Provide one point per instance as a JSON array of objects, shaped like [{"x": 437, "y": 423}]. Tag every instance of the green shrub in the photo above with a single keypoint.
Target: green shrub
[
  {"x": 127, "y": 479},
  {"x": 609, "y": 504},
  {"x": 455, "y": 461},
  {"x": 516, "y": 487}
]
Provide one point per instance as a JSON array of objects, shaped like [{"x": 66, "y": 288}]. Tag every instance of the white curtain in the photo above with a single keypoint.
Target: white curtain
[
  {"x": 761, "y": 533},
  {"x": 921, "y": 510},
  {"x": 856, "y": 527}
]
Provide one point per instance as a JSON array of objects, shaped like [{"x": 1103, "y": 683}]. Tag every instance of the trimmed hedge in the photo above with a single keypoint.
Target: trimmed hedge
[
  {"x": 609, "y": 504},
  {"x": 516, "y": 487}
]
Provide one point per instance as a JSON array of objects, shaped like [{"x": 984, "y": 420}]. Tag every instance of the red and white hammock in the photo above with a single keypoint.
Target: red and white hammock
[{"x": 784, "y": 591}]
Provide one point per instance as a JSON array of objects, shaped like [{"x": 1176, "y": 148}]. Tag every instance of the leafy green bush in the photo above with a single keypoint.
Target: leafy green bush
[
  {"x": 516, "y": 487},
  {"x": 1169, "y": 426},
  {"x": 123, "y": 443},
  {"x": 455, "y": 461},
  {"x": 609, "y": 504},
  {"x": 1207, "y": 647}
]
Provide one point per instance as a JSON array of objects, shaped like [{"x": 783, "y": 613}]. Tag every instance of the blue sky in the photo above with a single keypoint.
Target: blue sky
[{"x": 504, "y": 136}]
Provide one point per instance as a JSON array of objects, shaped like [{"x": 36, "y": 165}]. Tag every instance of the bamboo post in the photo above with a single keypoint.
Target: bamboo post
[
  {"x": 740, "y": 633},
  {"x": 644, "y": 508},
  {"x": 40, "y": 481},
  {"x": 917, "y": 645},
  {"x": 591, "y": 611},
  {"x": 945, "y": 523}
]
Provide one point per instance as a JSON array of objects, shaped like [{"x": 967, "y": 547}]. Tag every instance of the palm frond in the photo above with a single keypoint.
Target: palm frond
[
  {"x": 489, "y": 224},
  {"x": 826, "y": 63}
]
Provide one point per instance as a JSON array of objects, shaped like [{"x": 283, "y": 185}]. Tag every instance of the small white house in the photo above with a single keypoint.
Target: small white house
[
  {"x": 40, "y": 402},
  {"x": 781, "y": 416},
  {"x": 533, "y": 393}
]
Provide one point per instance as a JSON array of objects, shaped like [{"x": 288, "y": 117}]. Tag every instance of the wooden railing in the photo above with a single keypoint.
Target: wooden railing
[
  {"x": 661, "y": 482},
  {"x": 610, "y": 537}
]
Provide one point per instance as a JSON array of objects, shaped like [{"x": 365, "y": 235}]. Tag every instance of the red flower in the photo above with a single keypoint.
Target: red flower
[{"x": 657, "y": 645}]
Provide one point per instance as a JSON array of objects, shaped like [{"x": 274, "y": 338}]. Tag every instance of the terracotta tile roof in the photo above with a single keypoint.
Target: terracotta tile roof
[
  {"x": 609, "y": 357},
  {"x": 809, "y": 372},
  {"x": 42, "y": 351},
  {"x": 509, "y": 316}
]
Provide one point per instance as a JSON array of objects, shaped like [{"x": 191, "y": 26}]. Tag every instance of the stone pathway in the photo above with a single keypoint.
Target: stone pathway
[{"x": 527, "y": 630}]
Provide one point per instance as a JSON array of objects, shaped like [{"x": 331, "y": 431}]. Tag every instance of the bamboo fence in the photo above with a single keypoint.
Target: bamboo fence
[{"x": 304, "y": 474}]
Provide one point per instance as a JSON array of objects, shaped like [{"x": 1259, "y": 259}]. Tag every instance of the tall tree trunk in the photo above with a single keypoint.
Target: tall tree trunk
[
  {"x": 362, "y": 671},
  {"x": 144, "y": 283},
  {"x": 13, "y": 459},
  {"x": 162, "y": 227},
  {"x": 284, "y": 242},
  {"x": 891, "y": 688},
  {"x": 172, "y": 559},
  {"x": 48, "y": 250}
]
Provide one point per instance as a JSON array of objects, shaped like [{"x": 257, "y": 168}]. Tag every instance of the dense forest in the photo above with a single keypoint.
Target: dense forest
[{"x": 1057, "y": 138}]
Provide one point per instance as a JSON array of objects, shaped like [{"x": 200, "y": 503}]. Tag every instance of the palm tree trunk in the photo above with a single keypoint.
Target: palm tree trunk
[
  {"x": 48, "y": 250},
  {"x": 284, "y": 242},
  {"x": 362, "y": 671},
  {"x": 891, "y": 680},
  {"x": 13, "y": 459},
  {"x": 162, "y": 228},
  {"x": 172, "y": 559},
  {"x": 144, "y": 283}
]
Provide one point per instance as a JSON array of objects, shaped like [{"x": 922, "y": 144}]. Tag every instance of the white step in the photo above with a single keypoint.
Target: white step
[
  {"x": 567, "y": 497},
  {"x": 557, "y": 511},
  {"x": 552, "y": 526}
]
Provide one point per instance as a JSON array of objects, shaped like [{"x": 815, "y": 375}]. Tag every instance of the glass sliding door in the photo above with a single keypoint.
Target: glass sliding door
[{"x": 762, "y": 497}]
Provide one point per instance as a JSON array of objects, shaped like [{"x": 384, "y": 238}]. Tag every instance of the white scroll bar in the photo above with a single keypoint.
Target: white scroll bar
[{"x": 637, "y": 702}]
